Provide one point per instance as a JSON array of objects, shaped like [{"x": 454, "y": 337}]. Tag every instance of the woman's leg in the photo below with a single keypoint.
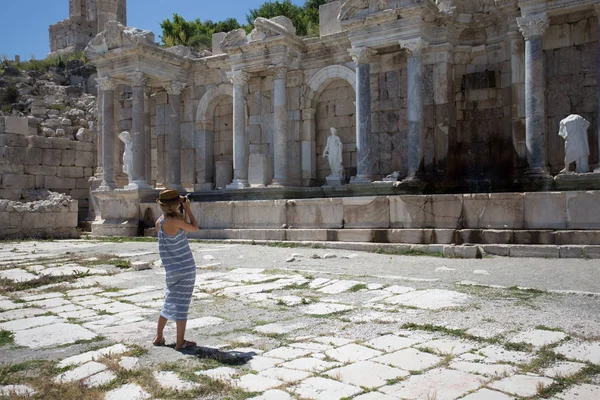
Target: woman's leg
[
  {"x": 181, "y": 336},
  {"x": 160, "y": 327}
]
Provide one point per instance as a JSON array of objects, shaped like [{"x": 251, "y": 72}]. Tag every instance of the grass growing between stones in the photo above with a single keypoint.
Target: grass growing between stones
[
  {"x": 563, "y": 383},
  {"x": 9, "y": 286},
  {"x": 409, "y": 252},
  {"x": 6, "y": 337},
  {"x": 358, "y": 287}
]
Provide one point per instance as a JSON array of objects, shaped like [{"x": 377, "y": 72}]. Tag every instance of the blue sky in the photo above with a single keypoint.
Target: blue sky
[{"x": 24, "y": 23}]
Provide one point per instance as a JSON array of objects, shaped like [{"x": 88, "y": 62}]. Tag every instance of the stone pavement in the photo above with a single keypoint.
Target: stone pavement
[{"x": 77, "y": 319}]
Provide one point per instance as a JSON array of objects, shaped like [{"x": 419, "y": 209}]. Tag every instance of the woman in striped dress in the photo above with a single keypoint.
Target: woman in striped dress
[{"x": 179, "y": 264}]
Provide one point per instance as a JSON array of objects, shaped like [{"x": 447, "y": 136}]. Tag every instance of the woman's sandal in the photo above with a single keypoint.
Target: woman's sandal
[
  {"x": 159, "y": 343},
  {"x": 186, "y": 345}
]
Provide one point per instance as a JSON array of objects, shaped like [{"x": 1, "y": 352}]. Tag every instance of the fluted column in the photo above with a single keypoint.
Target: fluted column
[
  {"x": 532, "y": 27},
  {"x": 138, "y": 131},
  {"x": 364, "y": 156},
  {"x": 280, "y": 163},
  {"x": 414, "y": 103},
  {"x": 173, "y": 128},
  {"x": 107, "y": 87},
  {"x": 240, "y": 145}
]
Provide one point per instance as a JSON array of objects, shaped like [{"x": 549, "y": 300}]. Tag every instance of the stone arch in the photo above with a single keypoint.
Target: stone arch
[
  {"x": 209, "y": 101},
  {"x": 322, "y": 79}
]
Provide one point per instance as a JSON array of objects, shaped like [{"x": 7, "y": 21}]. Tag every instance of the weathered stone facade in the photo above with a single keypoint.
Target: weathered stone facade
[{"x": 86, "y": 19}]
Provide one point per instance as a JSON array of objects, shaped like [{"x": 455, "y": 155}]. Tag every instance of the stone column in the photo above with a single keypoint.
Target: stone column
[
  {"x": 364, "y": 156},
  {"x": 203, "y": 143},
  {"x": 173, "y": 128},
  {"x": 240, "y": 145},
  {"x": 517, "y": 66},
  {"x": 138, "y": 131},
  {"x": 533, "y": 27},
  {"x": 280, "y": 164},
  {"x": 309, "y": 147},
  {"x": 414, "y": 105},
  {"x": 148, "y": 134},
  {"x": 597, "y": 8},
  {"x": 107, "y": 87}
]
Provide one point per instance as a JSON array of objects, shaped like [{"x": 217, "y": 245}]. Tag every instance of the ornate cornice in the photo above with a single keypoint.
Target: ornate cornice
[
  {"x": 361, "y": 55},
  {"x": 238, "y": 77},
  {"x": 106, "y": 83},
  {"x": 533, "y": 25},
  {"x": 137, "y": 78},
  {"x": 414, "y": 46},
  {"x": 174, "y": 87}
]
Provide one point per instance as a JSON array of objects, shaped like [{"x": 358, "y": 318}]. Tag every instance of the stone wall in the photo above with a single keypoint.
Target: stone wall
[
  {"x": 35, "y": 162},
  {"x": 50, "y": 215},
  {"x": 571, "y": 49}
]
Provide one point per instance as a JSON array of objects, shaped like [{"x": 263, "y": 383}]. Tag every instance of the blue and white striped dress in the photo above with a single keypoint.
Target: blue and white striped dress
[{"x": 180, "y": 267}]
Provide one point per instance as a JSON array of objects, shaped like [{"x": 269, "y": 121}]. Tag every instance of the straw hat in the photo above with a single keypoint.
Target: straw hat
[{"x": 169, "y": 196}]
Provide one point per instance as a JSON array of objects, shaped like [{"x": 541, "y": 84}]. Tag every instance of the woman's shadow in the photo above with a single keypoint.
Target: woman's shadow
[{"x": 224, "y": 357}]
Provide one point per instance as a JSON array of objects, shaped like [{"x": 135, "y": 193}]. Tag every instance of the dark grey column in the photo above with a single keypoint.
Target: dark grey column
[
  {"x": 597, "y": 8},
  {"x": 280, "y": 163},
  {"x": 138, "y": 131},
  {"x": 107, "y": 87},
  {"x": 533, "y": 27},
  {"x": 173, "y": 128},
  {"x": 414, "y": 104},
  {"x": 240, "y": 145},
  {"x": 364, "y": 156}
]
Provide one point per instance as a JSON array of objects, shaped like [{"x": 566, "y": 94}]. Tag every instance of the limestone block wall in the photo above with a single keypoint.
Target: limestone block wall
[
  {"x": 571, "y": 50},
  {"x": 36, "y": 162}
]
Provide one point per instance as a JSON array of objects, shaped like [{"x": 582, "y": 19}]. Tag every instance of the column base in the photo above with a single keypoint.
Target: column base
[
  {"x": 107, "y": 186},
  {"x": 279, "y": 182},
  {"x": 335, "y": 181},
  {"x": 138, "y": 185},
  {"x": 361, "y": 180},
  {"x": 238, "y": 184},
  {"x": 204, "y": 187},
  {"x": 597, "y": 170},
  {"x": 537, "y": 172}
]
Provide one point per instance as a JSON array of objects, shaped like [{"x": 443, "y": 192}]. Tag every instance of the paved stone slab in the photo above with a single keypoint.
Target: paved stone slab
[
  {"x": 311, "y": 346},
  {"x": 50, "y": 303},
  {"x": 487, "y": 394},
  {"x": 128, "y": 392},
  {"x": 563, "y": 369},
  {"x": 100, "y": 379},
  {"x": 170, "y": 380},
  {"x": 389, "y": 343},
  {"x": 497, "y": 354},
  {"x": 334, "y": 341},
  {"x": 310, "y": 364},
  {"x": 395, "y": 289},
  {"x": 375, "y": 396},
  {"x": 438, "y": 383},
  {"x": 450, "y": 346},
  {"x": 339, "y": 287},
  {"x": 581, "y": 392},
  {"x": 52, "y": 335},
  {"x": 43, "y": 296},
  {"x": 582, "y": 351},
  {"x": 320, "y": 282},
  {"x": 81, "y": 372},
  {"x": 324, "y": 389},
  {"x": 10, "y": 305},
  {"x": 21, "y": 324},
  {"x": 278, "y": 329},
  {"x": 83, "y": 292},
  {"x": 129, "y": 363},
  {"x": 352, "y": 353},
  {"x": 116, "y": 307},
  {"x": 17, "y": 275},
  {"x": 366, "y": 374},
  {"x": 204, "y": 322},
  {"x": 19, "y": 390},
  {"x": 273, "y": 395},
  {"x": 93, "y": 355},
  {"x": 325, "y": 308},
  {"x": 483, "y": 369},
  {"x": 72, "y": 270},
  {"x": 521, "y": 385},
  {"x": 433, "y": 299},
  {"x": 285, "y": 374},
  {"x": 409, "y": 360},
  {"x": 287, "y": 353},
  {"x": 260, "y": 363},
  {"x": 257, "y": 383},
  {"x": 538, "y": 338},
  {"x": 221, "y": 373}
]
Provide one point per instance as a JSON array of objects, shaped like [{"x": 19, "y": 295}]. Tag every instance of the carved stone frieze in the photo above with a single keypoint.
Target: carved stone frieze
[
  {"x": 116, "y": 36},
  {"x": 175, "y": 87},
  {"x": 414, "y": 46},
  {"x": 238, "y": 77},
  {"x": 362, "y": 55}
]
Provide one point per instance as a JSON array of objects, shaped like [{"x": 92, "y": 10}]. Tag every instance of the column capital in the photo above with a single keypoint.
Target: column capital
[
  {"x": 106, "y": 83},
  {"x": 414, "y": 46},
  {"x": 361, "y": 55},
  {"x": 175, "y": 87},
  {"x": 137, "y": 78},
  {"x": 238, "y": 77},
  {"x": 279, "y": 71},
  {"x": 533, "y": 25}
]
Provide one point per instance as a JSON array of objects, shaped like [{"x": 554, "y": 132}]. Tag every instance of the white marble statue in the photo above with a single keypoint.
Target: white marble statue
[
  {"x": 333, "y": 152},
  {"x": 577, "y": 149},
  {"x": 127, "y": 154}
]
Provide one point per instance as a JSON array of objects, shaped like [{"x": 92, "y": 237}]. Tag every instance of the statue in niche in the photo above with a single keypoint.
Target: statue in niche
[
  {"x": 333, "y": 152},
  {"x": 127, "y": 154},
  {"x": 573, "y": 130}
]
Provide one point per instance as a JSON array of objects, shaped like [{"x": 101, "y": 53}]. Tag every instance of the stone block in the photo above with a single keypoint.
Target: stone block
[
  {"x": 67, "y": 158},
  {"x": 214, "y": 215},
  {"x": 545, "y": 210},
  {"x": 315, "y": 213},
  {"x": 355, "y": 235},
  {"x": 534, "y": 237},
  {"x": 51, "y": 157},
  {"x": 259, "y": 169},
  {"x": 261, "y": 234},
  {"x": 85, "y": 159},
  {"x": 16, "y": 125},
  {"x": 493, "y": 211},
  {"x": 571, "y": 251},
  {"x": 577, "y": 237},
  {"x": 55, "y": 183},
  {"x": 496, "y": 250},
  {"x": 466, "y": 251},
  {"x": 591, "y": 252},
  {"x": 443, "y": 236},
  {"x": 366, "y": 212},
  {"x": 62, "y": 143},
  {"x": 69, "y": 172},
  {"x": 17, "y": 181},
  {"x": 13, "y": 140},
  {"x": 217, "y": 38},
  {"x": 328, "y": 18},
  {"x": 534, "y": 251},
  {"x": 412, "y": 236},
  {"x": 407, "y": 211},
  {"x": 39, "y": 142},
  {"x": 439, "y": 211},
  {"x": 582, "y": 210},
  {"x": 223, "y": 173},
  {"x": 306, "y": 235},
  {"x": 495, "y": 236},
  {"x": 266, "y": 214}
]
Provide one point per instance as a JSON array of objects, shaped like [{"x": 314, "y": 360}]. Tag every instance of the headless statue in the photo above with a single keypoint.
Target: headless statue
[
  {"x": 577, "y": 149},
  {"x": 333, "y": 152},
  {"x": 127, "y": 154}
]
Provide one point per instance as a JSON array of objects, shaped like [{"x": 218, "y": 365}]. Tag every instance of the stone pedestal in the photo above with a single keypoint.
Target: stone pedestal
[
  {"x": 533, "y": 28},
  {"x": 223, "y": 174},
  {"x": 334, "y": 181},
  {"x": 240, "y": 145},
  {"x": 119, "y": 211},
  {"x": 259, "y": 170}
]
